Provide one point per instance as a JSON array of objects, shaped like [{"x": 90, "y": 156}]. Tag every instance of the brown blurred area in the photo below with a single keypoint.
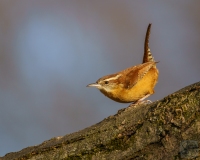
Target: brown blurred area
[{"x": 50, "y": 50}]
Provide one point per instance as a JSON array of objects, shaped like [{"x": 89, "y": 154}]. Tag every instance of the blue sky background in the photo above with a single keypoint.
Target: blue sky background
[{"x": 50, "y": 50}]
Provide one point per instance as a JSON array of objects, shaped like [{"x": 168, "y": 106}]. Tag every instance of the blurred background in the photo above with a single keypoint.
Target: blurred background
[{"x": 50, "y": 50}]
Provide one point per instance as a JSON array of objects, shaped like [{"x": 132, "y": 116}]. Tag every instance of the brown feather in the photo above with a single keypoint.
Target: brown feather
[
  {"x": 137, "y": 73},
  {"x": 147, "y": 53}
]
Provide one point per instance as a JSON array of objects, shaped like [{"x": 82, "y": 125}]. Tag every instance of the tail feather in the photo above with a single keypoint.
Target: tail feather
[{"x": 147, "y": 53}]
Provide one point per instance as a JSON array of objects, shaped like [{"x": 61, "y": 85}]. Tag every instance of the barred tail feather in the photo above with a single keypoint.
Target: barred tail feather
[{"x": 147, "y": 53}]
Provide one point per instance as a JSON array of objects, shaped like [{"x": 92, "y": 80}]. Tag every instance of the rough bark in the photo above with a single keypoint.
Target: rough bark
[{"x": 166, "y": 129}]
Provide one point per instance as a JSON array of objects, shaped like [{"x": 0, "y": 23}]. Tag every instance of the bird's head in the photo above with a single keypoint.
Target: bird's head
[{"x": 107, "y": 83}]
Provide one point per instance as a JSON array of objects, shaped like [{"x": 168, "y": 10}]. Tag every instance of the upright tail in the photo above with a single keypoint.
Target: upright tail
[{"x": 147, "y": 53}]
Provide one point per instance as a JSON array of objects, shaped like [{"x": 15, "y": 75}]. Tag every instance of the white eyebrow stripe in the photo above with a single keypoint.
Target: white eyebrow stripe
[{"x": 113, "y": 78}]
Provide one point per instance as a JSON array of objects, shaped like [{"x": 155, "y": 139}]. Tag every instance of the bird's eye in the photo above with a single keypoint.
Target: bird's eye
[{"x": 106, "y": 82}]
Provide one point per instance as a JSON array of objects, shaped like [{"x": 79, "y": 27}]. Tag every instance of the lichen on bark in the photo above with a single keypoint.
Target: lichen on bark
[{"x": 151, "y": 131}]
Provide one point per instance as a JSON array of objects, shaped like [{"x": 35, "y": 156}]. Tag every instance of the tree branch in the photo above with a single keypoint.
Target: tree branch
[{"x": 159, "y": 130}]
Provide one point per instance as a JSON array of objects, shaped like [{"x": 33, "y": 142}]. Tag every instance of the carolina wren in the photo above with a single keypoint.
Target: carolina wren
[{"x": 133, "y": 84}]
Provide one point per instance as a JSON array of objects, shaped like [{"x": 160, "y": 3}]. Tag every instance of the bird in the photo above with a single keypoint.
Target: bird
[{"x": 134, "y": 84}]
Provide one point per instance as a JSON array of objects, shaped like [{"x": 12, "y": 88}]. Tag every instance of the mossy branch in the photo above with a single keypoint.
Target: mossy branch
[{"x": 159, "y": 130}]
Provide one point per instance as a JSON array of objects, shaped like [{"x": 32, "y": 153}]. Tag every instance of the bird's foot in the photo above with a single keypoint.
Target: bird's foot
[
  {"x": 146, "y": 102},
  {"x": 139, "y": 103},
  {"x": 135, "y": 104}
]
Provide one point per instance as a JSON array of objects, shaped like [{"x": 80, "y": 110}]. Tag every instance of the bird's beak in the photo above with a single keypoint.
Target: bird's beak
[{"x": 93, "y": 85}]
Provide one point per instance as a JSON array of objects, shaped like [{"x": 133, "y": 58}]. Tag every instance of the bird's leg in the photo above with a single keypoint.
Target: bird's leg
[
  {"x": 138, "y": 102},
  {"x": 141, "y": 101}
]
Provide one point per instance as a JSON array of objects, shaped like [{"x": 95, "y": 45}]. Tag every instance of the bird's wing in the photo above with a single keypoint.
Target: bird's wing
[{"x": 136, "y": 74}]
